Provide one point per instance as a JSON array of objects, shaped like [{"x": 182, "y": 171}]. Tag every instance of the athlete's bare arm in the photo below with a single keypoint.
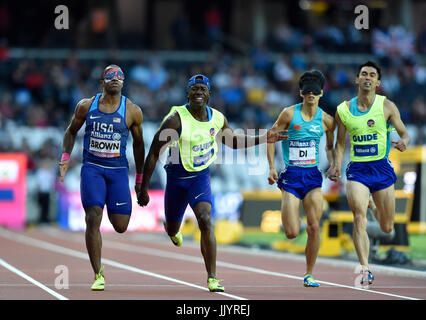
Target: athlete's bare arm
[
  {"x": 339, "y": 149},
  {"x": 166, "y": 134},
  {"x": 236, "y": 141},
  {"x": 135, "y": 128},
  {"x": 329, "y": 125},
  {"x": 392, "y": 114},
  {"x": 77, "y": 121},
  {"x": 282, "y": 123},
  {"x": 135, "y": 119}
]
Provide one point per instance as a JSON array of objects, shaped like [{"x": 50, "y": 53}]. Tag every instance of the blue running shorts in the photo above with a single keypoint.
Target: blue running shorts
[
  {"x": 110, "y": 186},
  {"x": 376, "y": 175},
  {"x": 299, "y": 181},
  {"x": 181, "y": 191}
]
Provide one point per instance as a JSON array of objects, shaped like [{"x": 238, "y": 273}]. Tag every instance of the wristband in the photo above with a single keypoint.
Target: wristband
[
  {"x": 139, "y": 178},
  {"x": 65, "y": 157}
]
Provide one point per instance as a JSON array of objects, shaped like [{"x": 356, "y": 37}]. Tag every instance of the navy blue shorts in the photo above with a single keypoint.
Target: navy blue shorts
[
  {"x": 181, "y": 191},
  {"x": 299, "y": 181},
  {"x": 100, "y": 186},
  {"x": 376, "y": 175}
]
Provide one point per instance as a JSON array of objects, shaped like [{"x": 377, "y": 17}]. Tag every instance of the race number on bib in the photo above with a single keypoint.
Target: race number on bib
[
  {"x": 104, "y": 148},
  {"x": 302, "y": 153}
]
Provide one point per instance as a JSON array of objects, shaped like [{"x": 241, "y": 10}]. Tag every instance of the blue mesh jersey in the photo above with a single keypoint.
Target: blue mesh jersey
[
  {"x": 301, "y": 149},
  {"x": 105, "y": 136}
]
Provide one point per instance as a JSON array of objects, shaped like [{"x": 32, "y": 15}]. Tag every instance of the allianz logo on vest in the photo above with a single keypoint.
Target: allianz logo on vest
[{"x": 365, "y": 137}]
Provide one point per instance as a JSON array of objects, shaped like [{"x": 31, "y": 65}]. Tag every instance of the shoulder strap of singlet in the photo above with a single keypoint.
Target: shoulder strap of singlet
[
  {"x": 122, "y": 109},
  {"x": 209, "y": 113},
  {"x": 95, "y": 102}
]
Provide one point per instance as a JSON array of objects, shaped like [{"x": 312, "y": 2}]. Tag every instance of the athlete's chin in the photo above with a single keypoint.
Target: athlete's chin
[
  {"x": 198, "y": 103},
  {"x": 368, "y": 87},
  {"x": 114, "y": 90}
]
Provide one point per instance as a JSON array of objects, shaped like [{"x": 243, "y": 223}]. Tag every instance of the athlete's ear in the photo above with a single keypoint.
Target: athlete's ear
[
  {"x": 322, "y": 93},
  {"x": 300, "y": 93},
  {"x": 357, "y": 80}
]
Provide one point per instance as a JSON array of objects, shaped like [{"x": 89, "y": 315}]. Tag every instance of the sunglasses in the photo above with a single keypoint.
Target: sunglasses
[{"x": 113, "y": 74}]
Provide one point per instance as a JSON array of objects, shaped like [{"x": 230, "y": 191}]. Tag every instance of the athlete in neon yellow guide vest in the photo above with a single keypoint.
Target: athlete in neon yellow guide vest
[
  {"x": 190, "y": 132},
  {"x": 367, "y": 119}
]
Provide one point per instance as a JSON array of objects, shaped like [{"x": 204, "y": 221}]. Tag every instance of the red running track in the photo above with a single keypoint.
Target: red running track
[{"x": 146, "y": 266}]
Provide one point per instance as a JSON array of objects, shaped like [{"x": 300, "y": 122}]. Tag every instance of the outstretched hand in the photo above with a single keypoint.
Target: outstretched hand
[
  {"x": 400, "y": 145},
  {"x": 274, "y": 136}
]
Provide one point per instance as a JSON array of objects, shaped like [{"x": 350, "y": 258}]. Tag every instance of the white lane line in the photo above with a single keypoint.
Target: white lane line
[
  {"x": 33, "y": 281},
  {"x": 78, "y": 254},
  {"x": 187, "y": 258},
  {"x": 179, "y": 256}
]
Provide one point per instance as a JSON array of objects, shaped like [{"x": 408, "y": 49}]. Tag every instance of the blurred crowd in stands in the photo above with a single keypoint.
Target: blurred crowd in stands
[{"x": 251, "y": 92}]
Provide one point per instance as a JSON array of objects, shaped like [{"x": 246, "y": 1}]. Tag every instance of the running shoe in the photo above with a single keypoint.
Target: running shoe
[
  {"x": 177, "y": 239},
  {"x": 367, "y": 278},
  {"x": 99, "y": 283},
  {"x": 214, "y": 285},
  {"x": 309, "y": 281}
]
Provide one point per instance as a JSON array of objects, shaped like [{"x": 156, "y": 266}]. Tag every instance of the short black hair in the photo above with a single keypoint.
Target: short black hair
[
  {"x": 370, "y": 64},
  {"x": 312, "y": 75}
]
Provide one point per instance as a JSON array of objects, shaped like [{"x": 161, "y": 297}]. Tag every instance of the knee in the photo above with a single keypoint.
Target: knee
[
  {"x": 120, "y": 229},
  {"x": 360, "y": 223},
  {"x": 204, "y": 220},
  {"x": 93, "y": 220},
  {"x": 386, "y": 227},
  {"x": 291, "y": 233},
  {"x": 313, "y": 229}
]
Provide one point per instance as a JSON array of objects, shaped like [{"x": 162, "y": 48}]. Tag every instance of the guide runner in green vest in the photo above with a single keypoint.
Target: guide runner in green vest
[
  {"x": 367, "y": 119},
  {"x": 190, "y": 131}
]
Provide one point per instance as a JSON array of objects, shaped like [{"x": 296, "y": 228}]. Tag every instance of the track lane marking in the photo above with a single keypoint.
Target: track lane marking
[
  {"x": 82, "y": 255},
  {"x": 185, "y": 257},
  {"x": 32, "y": 280}
]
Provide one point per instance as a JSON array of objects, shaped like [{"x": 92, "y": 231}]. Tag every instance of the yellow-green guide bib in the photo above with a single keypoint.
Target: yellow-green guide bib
[
  {"x": 368, "y": 130},
  {"x": 197, "y": 141}
]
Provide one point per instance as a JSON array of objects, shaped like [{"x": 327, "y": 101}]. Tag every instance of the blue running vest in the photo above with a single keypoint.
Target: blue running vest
[
  {"x": 301, "y": 149},
  {"x": 105, "y": 136}
]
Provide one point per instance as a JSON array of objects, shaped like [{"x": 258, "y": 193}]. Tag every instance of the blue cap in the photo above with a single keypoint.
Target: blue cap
[{"x": 193, "y": 80}]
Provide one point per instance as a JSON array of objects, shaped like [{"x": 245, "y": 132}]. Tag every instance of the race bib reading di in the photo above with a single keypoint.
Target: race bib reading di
[{"x": 302, "y": 153}]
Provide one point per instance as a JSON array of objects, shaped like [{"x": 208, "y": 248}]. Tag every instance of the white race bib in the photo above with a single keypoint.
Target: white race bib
[
  {"x": 104, "y": 148},
  {"x": 302, "y": 153}
]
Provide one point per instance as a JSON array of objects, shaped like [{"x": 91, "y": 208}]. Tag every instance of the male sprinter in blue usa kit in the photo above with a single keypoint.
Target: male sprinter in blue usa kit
[
  {"x": 368, "y": 118},
  {"x": 301, "y": 180},
  {"x": 109, "y": 117},
  {"x": 194, "y": 128}
]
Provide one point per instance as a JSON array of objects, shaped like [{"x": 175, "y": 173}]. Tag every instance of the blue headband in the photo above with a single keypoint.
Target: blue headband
[{"x": 193, "y": 80}]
